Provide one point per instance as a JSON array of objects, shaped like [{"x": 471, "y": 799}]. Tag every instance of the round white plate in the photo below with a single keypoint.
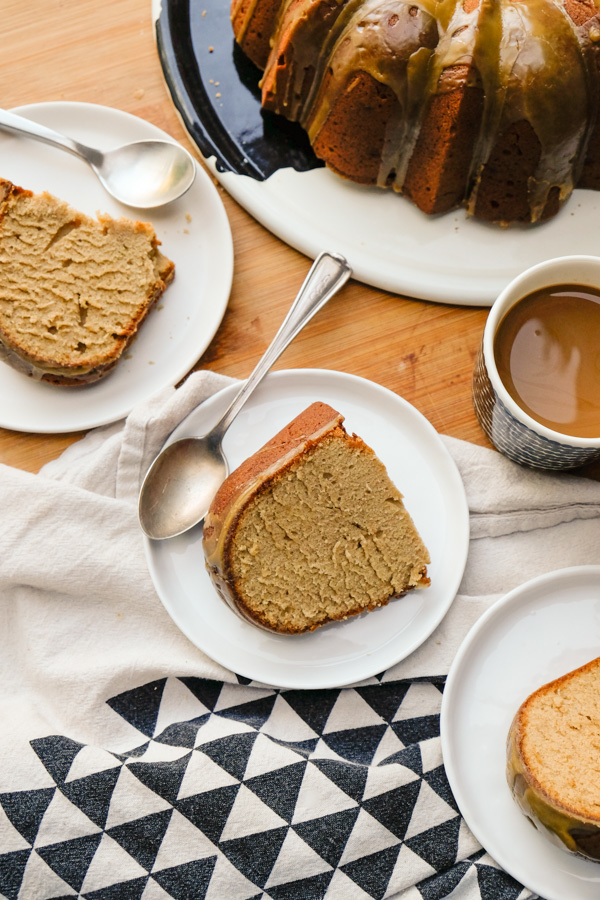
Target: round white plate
[
  {"x": 392, "y": 245},
  {"x": 541, "y": 630},
  {"x": 343, "y": 652},
  {"x": 195, "y": 234}
]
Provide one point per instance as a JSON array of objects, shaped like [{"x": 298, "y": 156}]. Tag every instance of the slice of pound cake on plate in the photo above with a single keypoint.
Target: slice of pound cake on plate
[
  {"x": 310, "y": 529},
  {"x": 73, "y": 290},
  {"x": 553, "y": 760}
]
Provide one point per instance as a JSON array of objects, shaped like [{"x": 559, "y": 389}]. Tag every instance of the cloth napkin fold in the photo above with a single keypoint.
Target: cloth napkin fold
[{"x": 134, "y": 766}]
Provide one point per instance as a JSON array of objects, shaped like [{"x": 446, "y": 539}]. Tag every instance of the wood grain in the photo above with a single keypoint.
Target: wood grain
[{"x": 104, "y": 53}]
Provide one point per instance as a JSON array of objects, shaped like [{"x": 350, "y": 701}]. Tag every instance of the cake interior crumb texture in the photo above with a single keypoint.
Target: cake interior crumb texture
[
  {"x": 560, "y": 739},
  {"x": 328, "y": 538},
  {"x": 73, "y": 289}
]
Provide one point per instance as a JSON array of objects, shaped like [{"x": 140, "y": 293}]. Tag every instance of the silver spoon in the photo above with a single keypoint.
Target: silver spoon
[
  {"x": 144, "y": 174},
  {"x": 183, "y": 479}
]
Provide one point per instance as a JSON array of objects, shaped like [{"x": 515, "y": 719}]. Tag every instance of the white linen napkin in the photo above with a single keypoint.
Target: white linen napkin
[{"x": 113, "y": 722}]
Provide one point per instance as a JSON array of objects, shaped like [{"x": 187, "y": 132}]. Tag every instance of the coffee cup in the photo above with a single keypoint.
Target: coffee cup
[{"x": 536, "y": 384}]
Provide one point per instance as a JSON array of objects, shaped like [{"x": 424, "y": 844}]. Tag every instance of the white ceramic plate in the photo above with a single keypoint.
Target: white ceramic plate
[
  {"x": 392, "y": 245},
  {"x": 541, "y": 630},
  {"x": 345, "y": 652},
  {"x": 195, "y": 234}
]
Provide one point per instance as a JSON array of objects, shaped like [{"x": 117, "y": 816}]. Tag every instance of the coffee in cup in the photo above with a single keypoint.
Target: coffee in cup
[{"x": 536, "y": 387}]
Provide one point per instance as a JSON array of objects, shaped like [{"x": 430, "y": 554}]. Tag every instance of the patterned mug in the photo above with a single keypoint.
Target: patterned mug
[{"x": 511, "y": 430}]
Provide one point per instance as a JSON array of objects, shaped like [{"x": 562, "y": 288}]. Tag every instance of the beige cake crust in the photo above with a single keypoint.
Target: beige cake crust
[
  {"x": 73, "y": 290},
  {"x": 553, "y": 759},
  {"x": 307, "y": 530}
]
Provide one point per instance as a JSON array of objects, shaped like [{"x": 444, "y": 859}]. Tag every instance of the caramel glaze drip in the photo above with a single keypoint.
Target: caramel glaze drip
[
  {"x": 532, "y": 61},
  {"x": 560, "y": 825}
]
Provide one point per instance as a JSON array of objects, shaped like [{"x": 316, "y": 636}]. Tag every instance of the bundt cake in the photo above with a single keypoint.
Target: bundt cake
[
  {"x": 73, "y": 290},
  {"x": 489, "y": 104},
  {"x": 553, "y": 764},
  {"x": 310, "y": 529}
]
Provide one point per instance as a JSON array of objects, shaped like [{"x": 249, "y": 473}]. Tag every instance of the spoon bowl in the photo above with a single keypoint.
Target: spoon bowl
[
  {"x": 146, "y": 174},
  {"x": 142, "y": 174},
  {"x": 185, "y": 476}
]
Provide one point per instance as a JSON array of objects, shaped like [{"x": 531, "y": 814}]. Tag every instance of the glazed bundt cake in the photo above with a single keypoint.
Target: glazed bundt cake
[
  {"x": 489, "y": 104},
  {"x": 310, "y": 529}
]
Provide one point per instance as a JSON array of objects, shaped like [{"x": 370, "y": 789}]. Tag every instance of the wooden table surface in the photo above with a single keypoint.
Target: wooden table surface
[{"x": 103, "y": 51}]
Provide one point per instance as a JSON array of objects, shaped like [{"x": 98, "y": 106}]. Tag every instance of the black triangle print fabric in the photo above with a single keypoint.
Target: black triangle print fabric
[{"x": 265, "y": 794}]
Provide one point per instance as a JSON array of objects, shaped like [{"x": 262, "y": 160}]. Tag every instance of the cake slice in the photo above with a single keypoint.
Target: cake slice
[
  {"x": 553, "y": 762},
  {"x": 73, "y": 290},
  {"x": 310, "y": 530}
]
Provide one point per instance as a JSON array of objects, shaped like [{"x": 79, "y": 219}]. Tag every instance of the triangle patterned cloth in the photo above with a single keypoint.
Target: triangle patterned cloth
[{"x": 256, "y": 793}]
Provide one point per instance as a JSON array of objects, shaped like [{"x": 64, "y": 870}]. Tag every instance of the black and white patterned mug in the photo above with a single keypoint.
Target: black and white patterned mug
[{"x": 511, "y": 430}]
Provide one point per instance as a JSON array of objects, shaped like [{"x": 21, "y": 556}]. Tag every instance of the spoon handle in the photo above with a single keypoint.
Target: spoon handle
[
  {"x": 47, "y": 135},
  {"x": 328, "y": 274}
]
